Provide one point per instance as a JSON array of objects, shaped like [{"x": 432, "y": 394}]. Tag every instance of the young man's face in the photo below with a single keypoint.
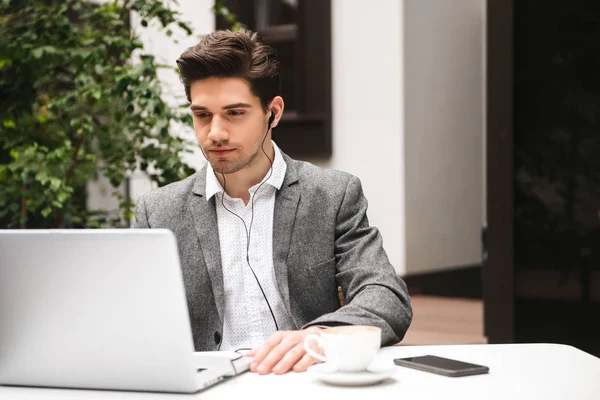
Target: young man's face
[{"x": 229, "y": 122}]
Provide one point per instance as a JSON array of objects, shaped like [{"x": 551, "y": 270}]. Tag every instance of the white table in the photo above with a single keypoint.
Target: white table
[{"x": 517, "y": 371}]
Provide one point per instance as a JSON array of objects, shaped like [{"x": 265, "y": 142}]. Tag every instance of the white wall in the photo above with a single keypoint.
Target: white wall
[
  {"x": 444, "y": 126},
  {"x": 367, "y": 110},
  {"x": 408, "y": 121}
]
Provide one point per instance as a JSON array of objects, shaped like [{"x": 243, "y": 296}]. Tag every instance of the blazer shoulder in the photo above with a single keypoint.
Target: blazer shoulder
[
  {"x": 315, "y": 177},
  {"x": 170, "y": 193}
]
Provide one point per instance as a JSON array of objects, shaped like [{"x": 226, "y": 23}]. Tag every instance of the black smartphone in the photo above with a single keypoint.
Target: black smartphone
[{"x": 442, "y": 366}]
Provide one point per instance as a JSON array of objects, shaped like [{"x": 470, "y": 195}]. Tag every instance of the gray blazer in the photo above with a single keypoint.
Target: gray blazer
[{"x": 321, "y": 240}]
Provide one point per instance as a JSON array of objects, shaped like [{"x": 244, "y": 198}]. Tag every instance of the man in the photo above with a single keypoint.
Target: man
[{"x": 264, "y": 240}]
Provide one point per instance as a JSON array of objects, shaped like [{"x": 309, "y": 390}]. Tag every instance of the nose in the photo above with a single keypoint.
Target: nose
[{"x": 218, "y": 131}]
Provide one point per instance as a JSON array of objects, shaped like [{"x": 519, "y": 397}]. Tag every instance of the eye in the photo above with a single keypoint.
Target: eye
[
  {"x": 202, "y": 115},
  {"x": 236, "y": 113}
]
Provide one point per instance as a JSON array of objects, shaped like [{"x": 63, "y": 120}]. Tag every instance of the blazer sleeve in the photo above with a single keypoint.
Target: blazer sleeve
[
  {"x": 140, "y": 217},
  {"x": 374, "y": 294}
]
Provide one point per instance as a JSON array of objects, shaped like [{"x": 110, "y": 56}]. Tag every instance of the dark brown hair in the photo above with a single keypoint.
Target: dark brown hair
[{"x": 240, "y": 54}]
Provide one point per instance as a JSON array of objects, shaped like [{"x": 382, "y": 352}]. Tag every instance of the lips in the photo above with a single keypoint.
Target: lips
[{"x": 221, "y": 152}]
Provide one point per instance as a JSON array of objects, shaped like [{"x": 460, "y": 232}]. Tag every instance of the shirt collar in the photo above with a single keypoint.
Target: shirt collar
[{"x": 213, "y": 186}]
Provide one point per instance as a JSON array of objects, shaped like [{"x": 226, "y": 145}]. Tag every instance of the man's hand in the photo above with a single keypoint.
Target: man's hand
[{"x": 283, "y": 351}]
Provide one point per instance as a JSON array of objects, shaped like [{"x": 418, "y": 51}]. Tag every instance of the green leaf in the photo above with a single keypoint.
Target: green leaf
[
  {"x": 54, "y": 183},
  {"x": 85, "y": 53},
  {"x": 42, "y": 177},
  {"x": 9, "y": 124},
  {"x": 5, "y": 62},
  {"x": 14, "y": 154},
  {"x": 42, "y": 118},
  {"x": 185, "y": 27},
  {"x": 37, "y": 53},
  {"x": 62, "y": 197},
  {"x": 46, "y": 211},
  {"x": 97, "y": 93}
]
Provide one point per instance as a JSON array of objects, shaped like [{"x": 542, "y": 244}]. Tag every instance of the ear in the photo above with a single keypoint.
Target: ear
[{"x": 276, "y": 108}]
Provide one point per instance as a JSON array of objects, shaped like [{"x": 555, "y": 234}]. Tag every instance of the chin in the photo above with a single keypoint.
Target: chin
[{"x": 224, "y": 167}]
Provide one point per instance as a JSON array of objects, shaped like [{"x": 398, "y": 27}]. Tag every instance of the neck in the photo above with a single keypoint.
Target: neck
[{"x": 239, "y": 183}]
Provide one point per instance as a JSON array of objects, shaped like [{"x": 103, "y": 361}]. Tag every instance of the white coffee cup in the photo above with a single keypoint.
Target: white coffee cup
[{"x": 348, "y": 348}]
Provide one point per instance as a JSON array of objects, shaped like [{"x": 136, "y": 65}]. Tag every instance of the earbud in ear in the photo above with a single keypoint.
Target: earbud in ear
[{"x": 271, "y": 118}]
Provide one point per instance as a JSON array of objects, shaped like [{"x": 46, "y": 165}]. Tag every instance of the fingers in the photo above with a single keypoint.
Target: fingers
[
  {"x": 262, "y": 351},
  {"x": 289, "y": 359},
  {"x": 281, "y": 352},
  {"x": 276, "y": 354},
  {"x": 304, "y": 363}
]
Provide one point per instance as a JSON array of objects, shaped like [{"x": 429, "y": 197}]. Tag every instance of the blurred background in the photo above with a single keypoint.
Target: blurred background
[{"x": 472, "y": 124}]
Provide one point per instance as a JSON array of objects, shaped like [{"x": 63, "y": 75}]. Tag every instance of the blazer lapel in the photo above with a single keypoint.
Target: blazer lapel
[
  {"x": 286, "y": 204},
  {"x": 205, "y": 217},
  {"x": 205, "y": 221}
]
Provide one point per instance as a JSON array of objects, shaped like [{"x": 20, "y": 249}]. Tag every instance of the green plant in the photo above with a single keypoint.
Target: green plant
[{"x": 74, "y": 105}]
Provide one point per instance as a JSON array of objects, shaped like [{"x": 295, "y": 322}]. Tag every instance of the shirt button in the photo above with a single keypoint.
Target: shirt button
[{"x": 217, "y": 337}]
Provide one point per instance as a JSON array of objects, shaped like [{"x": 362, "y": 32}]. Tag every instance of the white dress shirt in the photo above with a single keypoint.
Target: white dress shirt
[{"x": 247, "y": 322}]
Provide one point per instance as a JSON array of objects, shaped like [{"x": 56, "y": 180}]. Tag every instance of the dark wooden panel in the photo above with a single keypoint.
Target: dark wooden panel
[
  {"x": 303, "y": 136},
  {"x": 463, "y": 282},
  {"x": 498, "y": 272}
]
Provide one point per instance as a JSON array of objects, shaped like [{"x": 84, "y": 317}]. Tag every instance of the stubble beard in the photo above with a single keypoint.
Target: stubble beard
[{"x": 230, "y": 167}]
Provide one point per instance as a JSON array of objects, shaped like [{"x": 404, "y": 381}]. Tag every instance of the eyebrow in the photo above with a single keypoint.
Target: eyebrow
[{"x": 196, "y": 107}]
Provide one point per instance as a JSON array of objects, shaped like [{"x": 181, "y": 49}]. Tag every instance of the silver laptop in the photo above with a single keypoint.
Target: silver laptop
[{"x": 100, "y": 309}]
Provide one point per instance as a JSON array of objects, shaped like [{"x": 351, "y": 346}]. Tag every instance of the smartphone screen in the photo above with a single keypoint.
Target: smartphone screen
[{"x": 441, "y": 365}]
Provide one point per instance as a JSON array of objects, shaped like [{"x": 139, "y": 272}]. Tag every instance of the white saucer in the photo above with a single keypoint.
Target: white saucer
[{"x": 371, "y": 376}]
